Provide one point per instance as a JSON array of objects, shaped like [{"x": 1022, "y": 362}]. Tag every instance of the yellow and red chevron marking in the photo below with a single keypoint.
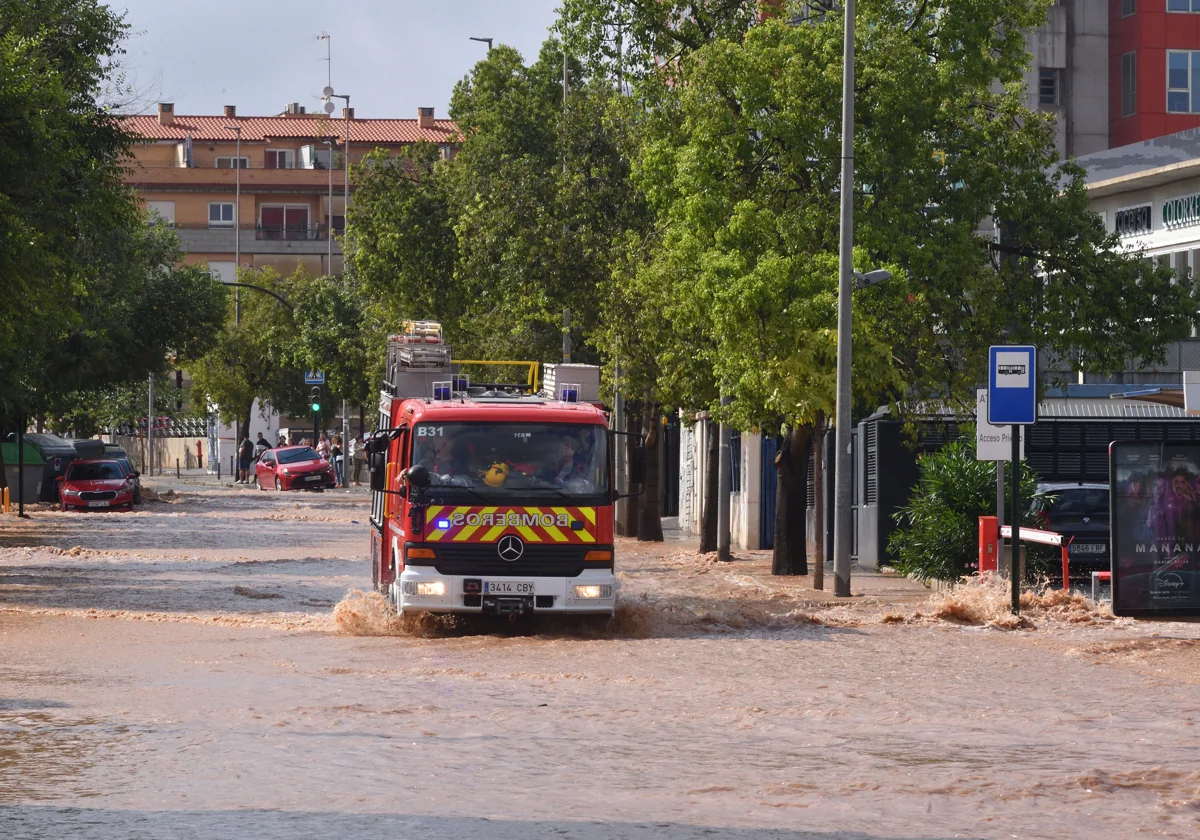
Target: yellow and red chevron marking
[{"x": 487, "y": 524}]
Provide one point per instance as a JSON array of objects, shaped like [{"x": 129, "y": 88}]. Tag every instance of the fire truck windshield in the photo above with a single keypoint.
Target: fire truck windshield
[{"x": 514, "y": 459}]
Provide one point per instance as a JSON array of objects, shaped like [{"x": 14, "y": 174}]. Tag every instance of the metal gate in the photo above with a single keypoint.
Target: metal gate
[{"x": 766, "y": 522}]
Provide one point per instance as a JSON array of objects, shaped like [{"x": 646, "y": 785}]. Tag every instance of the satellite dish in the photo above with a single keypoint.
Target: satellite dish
[
  {"x": 328, "y": 91},
  {"x": 328, "y": 107}
]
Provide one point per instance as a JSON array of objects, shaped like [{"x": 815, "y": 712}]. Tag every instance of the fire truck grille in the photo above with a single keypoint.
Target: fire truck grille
[
  {"x": 537, "y": 560},
  {"x": 97, "y": 495}
]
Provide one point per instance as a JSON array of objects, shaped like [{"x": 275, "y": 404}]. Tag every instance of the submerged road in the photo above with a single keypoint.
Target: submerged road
[{"x": 204, "y": 667}]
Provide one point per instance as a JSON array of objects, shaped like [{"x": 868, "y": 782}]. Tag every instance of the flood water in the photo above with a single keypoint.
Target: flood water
[{"x": 205, "y": 667}]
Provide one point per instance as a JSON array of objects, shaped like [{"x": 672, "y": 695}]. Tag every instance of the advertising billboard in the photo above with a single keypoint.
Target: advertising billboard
[{"x": 1155, "y": 519}]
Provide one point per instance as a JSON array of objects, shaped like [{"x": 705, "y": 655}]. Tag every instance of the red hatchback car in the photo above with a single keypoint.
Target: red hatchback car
[
  {"x": 97, "y": 484},
  {"x": 293, "y": 468}
]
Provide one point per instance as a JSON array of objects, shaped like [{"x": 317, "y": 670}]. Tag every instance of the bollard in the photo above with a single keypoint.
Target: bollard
[
  {"x": 232, "y": 471},
  {"x": 989, "y": 538},
  {"x": 6, "y": 501},
  {"x": 177, "y": 468},
  {"x": 218, "y": 470}
]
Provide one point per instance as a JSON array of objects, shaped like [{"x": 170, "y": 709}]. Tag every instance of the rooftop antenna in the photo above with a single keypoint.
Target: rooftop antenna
[{"x": 328, "y": 59}]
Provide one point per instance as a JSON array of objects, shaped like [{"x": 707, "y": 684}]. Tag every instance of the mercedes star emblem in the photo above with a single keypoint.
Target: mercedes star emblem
[
  {"x": 510, "y": 548},
  {"x": 1086, "y": 520}
]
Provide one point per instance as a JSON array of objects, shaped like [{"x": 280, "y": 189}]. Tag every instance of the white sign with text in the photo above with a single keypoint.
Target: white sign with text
[{"x": 992, "y": 443}]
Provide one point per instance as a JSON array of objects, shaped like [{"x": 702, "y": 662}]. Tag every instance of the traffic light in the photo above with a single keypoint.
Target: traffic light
[{"x": 315, "y": 399}]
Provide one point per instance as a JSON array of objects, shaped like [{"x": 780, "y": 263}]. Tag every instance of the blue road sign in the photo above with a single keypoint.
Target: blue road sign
[
  {"x": 1012, "y": 385},
  {"x": 314, "y": 377}
]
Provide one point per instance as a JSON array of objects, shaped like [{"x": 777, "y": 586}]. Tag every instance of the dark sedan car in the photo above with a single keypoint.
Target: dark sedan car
[
  {"x": 116, "y": 453},
  {"x": 1080, "y": 513},
  {"x": 293, "y": 468}
]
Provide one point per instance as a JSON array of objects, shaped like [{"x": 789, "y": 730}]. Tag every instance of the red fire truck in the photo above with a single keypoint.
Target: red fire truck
[{"x": 492, "y": 498}]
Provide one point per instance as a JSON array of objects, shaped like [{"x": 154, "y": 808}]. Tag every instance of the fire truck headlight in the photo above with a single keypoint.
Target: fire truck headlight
[
  {"x": 434, "y": 588},
  {"x": 593, "y": 590}
]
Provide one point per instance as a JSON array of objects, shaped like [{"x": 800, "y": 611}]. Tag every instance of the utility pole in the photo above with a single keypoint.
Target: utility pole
[
  {"x": 566, "y": 348},
  {"x": 237, "y": 222},
  {"x": 724, "y": 466},
  {"x": 843, "y": 466},
  {"x": 329, "y": 233},
  {"x": 150, "y": 428}
]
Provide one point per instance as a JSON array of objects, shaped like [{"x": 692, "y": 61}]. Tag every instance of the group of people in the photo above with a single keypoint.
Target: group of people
[
  {"x": 330, "y": 449},
  {"x": 1167, "y": 506}
]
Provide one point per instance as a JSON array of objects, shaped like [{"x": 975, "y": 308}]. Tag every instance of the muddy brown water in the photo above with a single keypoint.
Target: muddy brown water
[{"x": 209, "y": 667}]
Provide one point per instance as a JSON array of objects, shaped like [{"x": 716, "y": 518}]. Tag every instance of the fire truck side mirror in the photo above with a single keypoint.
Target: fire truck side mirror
[
  {"x": 637, "y": 465},
  {"x": 377, "y": 462}
]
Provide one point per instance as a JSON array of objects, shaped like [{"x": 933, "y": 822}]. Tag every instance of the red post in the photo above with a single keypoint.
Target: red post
[
  {"x": 989, "y": 544},
  {"x": 1066, "y": 565}
]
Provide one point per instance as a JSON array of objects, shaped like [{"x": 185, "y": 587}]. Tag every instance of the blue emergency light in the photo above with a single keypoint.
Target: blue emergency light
[
  {"x": 443, "y": 524},
  {"x": 570, "y": 395},
  {"x": 441, "y": 392},
  {"x": 460, "y": 383}
]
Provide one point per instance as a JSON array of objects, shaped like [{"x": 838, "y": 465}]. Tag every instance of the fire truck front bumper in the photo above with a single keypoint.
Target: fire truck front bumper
[{"x": 425, "y": 589}]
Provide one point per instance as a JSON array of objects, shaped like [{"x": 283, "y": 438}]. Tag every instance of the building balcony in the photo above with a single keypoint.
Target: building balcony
[
  {"x": 167, "y": 178},
  {"x": 259, "y": 239}
]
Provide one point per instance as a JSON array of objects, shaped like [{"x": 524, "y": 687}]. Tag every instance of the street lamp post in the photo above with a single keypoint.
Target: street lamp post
[
  {"x": 237, "y": 221},
  {"x": 841, "y": 498},
  {"x": 329, "y": 94},
  {"x": 487, "y": 41},
  {"x": 329, "y": 233}
]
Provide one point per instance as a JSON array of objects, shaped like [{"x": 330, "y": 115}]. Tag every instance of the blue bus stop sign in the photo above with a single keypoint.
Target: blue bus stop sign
[{"x": 1012, "y": 385}]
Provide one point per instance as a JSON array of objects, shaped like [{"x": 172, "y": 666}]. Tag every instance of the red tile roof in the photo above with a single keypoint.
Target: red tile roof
[{"x": 204, "y": 128}]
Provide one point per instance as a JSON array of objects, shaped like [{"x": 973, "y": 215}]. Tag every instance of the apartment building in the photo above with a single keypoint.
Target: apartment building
[{"x": 265, "y": 191}]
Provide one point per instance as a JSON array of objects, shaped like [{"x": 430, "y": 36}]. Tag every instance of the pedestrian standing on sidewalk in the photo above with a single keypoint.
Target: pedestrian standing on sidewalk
[
  {"x": 358, "y": 455},
  {"x": 323, "y": 446},
  {"x": 335, "y": 452},
  {"x": 260, "y": 446},
  {"x": 245, "y": 456}
]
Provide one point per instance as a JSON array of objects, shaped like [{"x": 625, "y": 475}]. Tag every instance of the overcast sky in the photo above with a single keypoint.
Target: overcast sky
[{"x": 391, "y": 56}]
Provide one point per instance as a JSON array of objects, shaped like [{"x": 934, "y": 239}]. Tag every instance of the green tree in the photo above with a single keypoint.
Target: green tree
[
  {"x": 253, "y": 358},
  {"x": 740, "y": 160}
]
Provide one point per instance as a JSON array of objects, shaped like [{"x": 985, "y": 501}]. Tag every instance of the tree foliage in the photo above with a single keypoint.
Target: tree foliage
[
  {"x": 939, "y": 527},
  {"x": 94, "y": 298}
]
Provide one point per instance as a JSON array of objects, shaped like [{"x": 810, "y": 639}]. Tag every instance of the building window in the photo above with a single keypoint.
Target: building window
[
  {"x": 1048, "y": 86},
  {"x": 232, "y": 162},
  {"x": 1183, "y": 82},
  {"x": 1128, "y": 84},
  {"x": 280, "y": 159},
  {"x": 1179, "y": 6},
  {"x": 1128, "y": 7},
  {"x": 220, "y": 214},
  {"x": 161, "y": 212}
]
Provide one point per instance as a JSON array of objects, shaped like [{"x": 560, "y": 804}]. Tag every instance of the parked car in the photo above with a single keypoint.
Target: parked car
[
  {"x": 93, "y": 484},
  {"x": 1080, "y": 513},
  {"x": 115, "y": 453},
  {"x": 293, "y": 468}
]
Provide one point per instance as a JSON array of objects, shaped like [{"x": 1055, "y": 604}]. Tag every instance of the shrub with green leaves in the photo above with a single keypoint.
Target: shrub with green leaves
[{"x": 939, "y": 527}]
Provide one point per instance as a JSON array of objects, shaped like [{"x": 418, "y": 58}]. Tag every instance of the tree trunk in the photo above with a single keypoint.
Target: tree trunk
[
  {"x": 708, "y": 515},
  {"x": 632, "y": 506},
  {"x": 791, "y": 499},
  {"x": 818, "y": 571},
  {"x": 243, "y": 430},
  {"x": 650, "y": 518}
]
